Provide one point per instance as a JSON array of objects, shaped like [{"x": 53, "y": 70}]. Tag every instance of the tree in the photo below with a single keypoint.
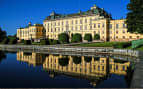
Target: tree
[
  {"x": 77, "y": 38},
  {"x": 88, "y": 59},
  {"x": 76, "y": 59},
  {"x": 64, "y": 61},
  {"x": 135, "y": 16},
  {"x": 2, "y": 56},
  {"x": 63, "y": 38},
  {"x": 96, "y": 37},
  {"x": 2, "y": 34},
  {"x": 88, "y": 37}
]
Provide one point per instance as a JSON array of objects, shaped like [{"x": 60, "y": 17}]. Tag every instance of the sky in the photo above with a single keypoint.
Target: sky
[{"x": 18, "y": 13}]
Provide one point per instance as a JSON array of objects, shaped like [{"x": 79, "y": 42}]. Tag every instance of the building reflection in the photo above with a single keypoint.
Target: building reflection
[
  {"x": 34, "y": 59},
  {"x": 94, "y": 69}
]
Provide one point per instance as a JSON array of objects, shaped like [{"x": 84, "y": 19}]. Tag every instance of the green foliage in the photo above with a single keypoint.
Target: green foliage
[
  {"x": 96, "y": 37},
  {"x": 22, "y": 41},
  {"x": 44, "y": 42},
  {"x": 88, "y": 37},
  {"x": 64, "y": 61},
  {"x": 2, "y": 35},
  {"x": 122, "y": 45},
  {"x": 88, "y": 59},
  {"x": 5, "y": 41},
  {"x": 76, "y": 59},
  {"x": 135, "y": 16},
  {"x": 76, "y": 38},
  {"x": 53, "y": 42},
  {"x": 63, "y": 38},
  {"x": 27, "y": 42}
]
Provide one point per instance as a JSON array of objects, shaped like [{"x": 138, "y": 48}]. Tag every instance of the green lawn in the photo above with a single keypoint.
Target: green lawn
[
  {"x": 103, "y": 44},
  {"x": 107, "y": 44}
]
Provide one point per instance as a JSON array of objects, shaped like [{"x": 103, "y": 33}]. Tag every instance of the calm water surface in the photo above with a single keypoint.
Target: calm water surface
[{"x": 35, "y": 70}]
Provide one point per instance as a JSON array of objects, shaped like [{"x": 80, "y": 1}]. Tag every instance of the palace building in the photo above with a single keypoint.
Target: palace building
[
  {"x": 94, "y": 21},
  {"x": 31, "y": 32}
]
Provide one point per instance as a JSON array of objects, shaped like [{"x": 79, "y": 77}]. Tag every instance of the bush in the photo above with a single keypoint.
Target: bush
[
  {"x": 22, "y": 41},
  {"x": 27, "y": 42},
  {"x": 88, "y": 59},
  {"x": 5, "y": 41},
  {"x": 44, "y": 42},
  {"x": 64, "y": 61},
  {"x": 13, "y": 41},
  {"x": 122, "y": 45},
  {"x": 96, "y": 37},
  {"x": 63, "y": 38},
  {"x": 76, "y": 38},
  {"x": 88, "y": 37},
  {"x": 77, "y": 60}
]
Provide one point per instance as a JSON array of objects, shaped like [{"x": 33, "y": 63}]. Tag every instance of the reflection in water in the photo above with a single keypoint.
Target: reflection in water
[
  {"x": 2, "y": 56},
  {"x": 94, "y": 69}
]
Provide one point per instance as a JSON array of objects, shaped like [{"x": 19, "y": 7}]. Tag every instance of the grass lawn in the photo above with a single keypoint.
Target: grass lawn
[{"x": 104, "y": 44}]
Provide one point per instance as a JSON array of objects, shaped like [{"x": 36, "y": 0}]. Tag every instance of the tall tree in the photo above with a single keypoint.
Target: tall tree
[
  {"x": 135, "y": 16},
  {"x": 2, "y": 34}
]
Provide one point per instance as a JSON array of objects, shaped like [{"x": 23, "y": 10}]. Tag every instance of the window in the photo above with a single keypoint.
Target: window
[
  {"x": 85, "y": 20},
  {"x": 123, "y": 31},
  {"x": 67, "y": 22},
  {"x": 103, "y": 25},
  {"x": 102, "y": 32},
  {"x": 103, "y": 37},
  {"x": 80, "y": 27},
  {"x": 76, "y": 21},
  {"x": 62, "y": 23},
  {"x": 71, "y": 22},
  {"x": 81, "y": 21},
  {"x": 130, "y": 37},
  {"x": 99, "y": 25},
  {"x": 110, "y": 32},
  {"x": 138, "y": 37},
  {"x": 90, "y": 27},
  {"x": 117, "y": 32},
  {"x": 111, "y": 37},
  {"x": 110, "y": 26},
  {"x": 117, "y": 26},
  {"x": 124, "y": 25},
  {"x": 75, "y": 28},
  {"x": 85, "y": 27},
  {"x": 123, "y": 68},
  {"x": 94, "y": 25},
  {"x": 123, "y": 37},
  {"x": 116, "y": 67},
  {"x": 117, "y": 37}
]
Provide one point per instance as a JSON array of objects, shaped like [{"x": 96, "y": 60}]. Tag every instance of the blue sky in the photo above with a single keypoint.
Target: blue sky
[{"x": 17, "y": 13}]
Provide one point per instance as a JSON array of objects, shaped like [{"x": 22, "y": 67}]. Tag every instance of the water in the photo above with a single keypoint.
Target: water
[{"x": 35, "y": 70}]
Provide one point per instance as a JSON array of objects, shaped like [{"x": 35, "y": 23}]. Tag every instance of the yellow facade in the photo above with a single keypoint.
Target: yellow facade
[
  {"x": 94, "y": 23},
  {"x": 93, "y": 70},
  {"x": 35, "y": 31}
]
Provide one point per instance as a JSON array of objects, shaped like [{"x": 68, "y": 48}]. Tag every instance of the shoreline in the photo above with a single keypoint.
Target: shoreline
[{"x": 73, "y": 49}]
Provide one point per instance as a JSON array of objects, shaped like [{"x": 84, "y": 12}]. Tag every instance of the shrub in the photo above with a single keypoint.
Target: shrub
[
  {"x": 63, "y": 38},
  {"x": 88, "y": 37},
  {"x": 44, "y": 42},
  {"x": 122, "y": 45},
  {"x": 5, "y": 41},
  {"x": 27, "y": 42},
  {"x": 22, "y": 41},
  {"x": 13, "y": 41},
  {"x": 96, "y": 37},
  {"x": 88, "y": 59},
  {"x": 77, "y": 60},
  {"x": 64, "y": 61},
  {"x": 77, "y": 38}
]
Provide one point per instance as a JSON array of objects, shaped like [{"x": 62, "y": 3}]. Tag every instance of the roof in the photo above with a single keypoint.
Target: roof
[
  {"x": 29, "y": 25},
  {"x": 94, "y": 11}
]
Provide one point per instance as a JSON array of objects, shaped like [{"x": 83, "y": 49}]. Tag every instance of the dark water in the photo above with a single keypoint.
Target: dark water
[{"x": 35, "y": 70}]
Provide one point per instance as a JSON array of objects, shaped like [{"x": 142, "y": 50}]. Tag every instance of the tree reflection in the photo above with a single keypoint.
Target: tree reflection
[
  {"x": 88, "y": 59},
  {"x": 2, "y": 56},
  {"x": 64, "y": 61},
  {"x": 76, "y": 59}
]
